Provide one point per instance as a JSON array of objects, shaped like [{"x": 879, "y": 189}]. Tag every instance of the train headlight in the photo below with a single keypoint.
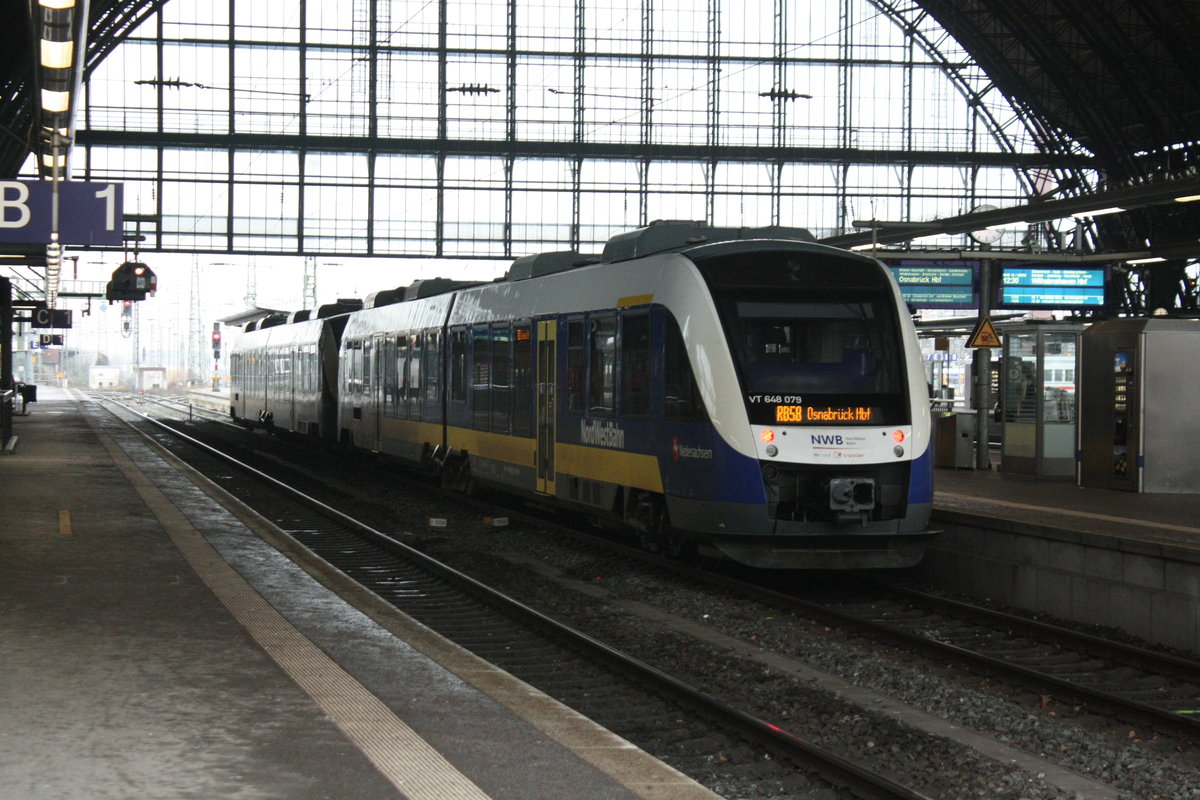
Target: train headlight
[
  {"x": 767, "y": 435},
  {"x": 898, "y": 436},
  {"x": 898, "y": 450},
  {"x": 772, "y": 450}
]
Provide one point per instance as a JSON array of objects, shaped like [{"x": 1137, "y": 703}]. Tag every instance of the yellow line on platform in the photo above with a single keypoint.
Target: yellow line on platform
[{"x": 64, "y": 522}]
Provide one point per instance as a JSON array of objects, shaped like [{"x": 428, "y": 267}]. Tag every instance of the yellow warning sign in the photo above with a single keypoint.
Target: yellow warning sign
[{"x": 984, "y": 334}]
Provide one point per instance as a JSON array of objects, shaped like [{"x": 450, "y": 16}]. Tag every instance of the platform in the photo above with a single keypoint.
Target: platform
[
  {"x": 155, "y": 647},
  {"x": 1122, "y": 560}
]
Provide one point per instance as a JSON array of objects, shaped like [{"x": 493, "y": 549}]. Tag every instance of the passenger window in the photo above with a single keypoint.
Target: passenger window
[
  {"x": 458, "y": 365},
  {"x": 396, "y": 386},
  {"x": 412, "y": 395},
  {"x": 682, "y": 396},
  {"x": 602, "y": 364},
  {"x": 575, "y": 365},
  {"x": 432, "y": 369},
  {"x": 522, "y": 380},
  {"x": 501, "y": 364},
  {"x": 367, "y": 367},
  {"x": 635, "y": 364},
  {"x": 480, "y": 378}
]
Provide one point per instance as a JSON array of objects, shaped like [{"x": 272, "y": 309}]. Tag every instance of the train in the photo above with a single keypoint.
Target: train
[{"x": 746, "y": 392}]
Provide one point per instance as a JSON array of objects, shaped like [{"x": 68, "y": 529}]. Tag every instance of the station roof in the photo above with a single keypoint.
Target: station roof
[{"x": 1116, "y": 76}]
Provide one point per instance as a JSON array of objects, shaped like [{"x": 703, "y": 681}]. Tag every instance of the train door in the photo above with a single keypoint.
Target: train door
[{"x": 547, "y": 362}]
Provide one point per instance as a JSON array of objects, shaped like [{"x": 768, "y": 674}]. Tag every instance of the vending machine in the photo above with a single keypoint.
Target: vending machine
[{"x": 1138, "y": 428}]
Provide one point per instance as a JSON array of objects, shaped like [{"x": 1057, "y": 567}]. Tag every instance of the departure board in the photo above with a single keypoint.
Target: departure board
[
  {"x": 1051, "y": 287},
  {"x": 937, "y": 284}
]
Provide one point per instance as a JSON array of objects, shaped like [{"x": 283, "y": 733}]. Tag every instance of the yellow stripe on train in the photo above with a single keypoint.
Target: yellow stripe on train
[
  {"x": 593, "y": 463},
  {"x": 613, "y": 466}
]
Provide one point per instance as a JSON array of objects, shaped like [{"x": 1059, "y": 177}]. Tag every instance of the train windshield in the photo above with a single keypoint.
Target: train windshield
[{"x": 815, "y": 338}]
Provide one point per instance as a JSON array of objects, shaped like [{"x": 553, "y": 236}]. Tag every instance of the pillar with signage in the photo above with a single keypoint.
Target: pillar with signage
[
  {"x": 1138, "y": 430},
  {"x": 1038, "y": 409}
]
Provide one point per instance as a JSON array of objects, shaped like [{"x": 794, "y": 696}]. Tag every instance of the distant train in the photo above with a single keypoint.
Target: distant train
[{"x": 747, "y": 391}]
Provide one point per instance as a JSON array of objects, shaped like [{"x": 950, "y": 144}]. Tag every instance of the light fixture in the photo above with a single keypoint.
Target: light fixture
[
  {"x": 1098, "y": 212},
  {"x": 58, "y": 4},
  {"x": 57, "y": 55},
  {"x": 1150, "y": 260},
  {"x": 55, "y": 102},
  {"x": 1191, "y": 198},
  {"x": 49, "y": 160}
]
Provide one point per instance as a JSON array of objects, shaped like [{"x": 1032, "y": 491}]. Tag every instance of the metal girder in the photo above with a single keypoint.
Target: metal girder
[{"x": 567, "y": 149}]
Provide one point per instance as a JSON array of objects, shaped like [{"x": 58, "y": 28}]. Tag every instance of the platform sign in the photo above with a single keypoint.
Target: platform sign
[
  {"x": 50, "y": 318},
  {"x": 937, "y": 284},
  {"x": 89, "y": 213},
  {"x": 1051, "y": 287}
]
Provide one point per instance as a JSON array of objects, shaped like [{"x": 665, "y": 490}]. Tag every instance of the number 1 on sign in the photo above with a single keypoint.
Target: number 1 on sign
[{"x": 109, "y": 195}]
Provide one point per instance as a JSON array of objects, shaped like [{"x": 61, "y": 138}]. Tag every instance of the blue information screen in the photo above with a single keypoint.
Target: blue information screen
[
  {"x": 1051, "y": 287},
  {"x": 933, "y": 284}
]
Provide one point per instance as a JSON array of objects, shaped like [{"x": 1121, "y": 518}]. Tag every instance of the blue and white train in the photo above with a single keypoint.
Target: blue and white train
[{"x": 748, "y": 391}]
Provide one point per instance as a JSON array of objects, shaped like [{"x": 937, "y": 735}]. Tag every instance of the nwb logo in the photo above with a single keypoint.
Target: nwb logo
[{"x": 827, "y": 438}]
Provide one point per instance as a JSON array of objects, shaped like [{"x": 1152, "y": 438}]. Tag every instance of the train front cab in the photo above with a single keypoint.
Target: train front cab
[{"x": 838, "y": 472}]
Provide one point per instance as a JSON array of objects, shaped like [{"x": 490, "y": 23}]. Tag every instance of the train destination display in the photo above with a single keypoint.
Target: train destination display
[{"x": 800, "y": 413}]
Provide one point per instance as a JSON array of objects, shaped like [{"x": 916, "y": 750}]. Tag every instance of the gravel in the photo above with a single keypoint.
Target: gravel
[{"x": 1136, "y": 764}]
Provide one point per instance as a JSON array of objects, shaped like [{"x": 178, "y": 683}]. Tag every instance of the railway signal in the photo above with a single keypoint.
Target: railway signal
[{"x": 131, "y": 281}]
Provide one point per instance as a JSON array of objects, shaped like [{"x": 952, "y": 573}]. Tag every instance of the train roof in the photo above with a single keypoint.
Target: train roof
[
  {"x": 661, "y": 236},
  {"x": 664, "y": 236}
]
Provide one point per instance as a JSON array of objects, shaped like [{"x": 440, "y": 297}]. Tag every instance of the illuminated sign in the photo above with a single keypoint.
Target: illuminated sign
[
  {"x": 933, "y": 284},
  {"x": 818, "y": 414},
  {"x": 1051, "y": 287}
]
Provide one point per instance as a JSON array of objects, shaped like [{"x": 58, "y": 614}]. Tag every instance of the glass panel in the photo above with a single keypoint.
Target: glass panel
[
  {"x": 1059, "y": 383},
  {"x": 595, "y": 79},
  {"x": 1021, "y": 391},
  {"x": 501, "y": 377},
  {"x": 602, "y": 364},
  {"x": 1022, "y": 396},
  {"x": 481, "y": 370},
  {"x": 522, "y": 413},
  {"x": 635, "y": 364},
  {"x": 575, "y": 365}
]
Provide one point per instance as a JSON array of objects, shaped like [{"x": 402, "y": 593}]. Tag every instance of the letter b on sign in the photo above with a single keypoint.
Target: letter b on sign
[{"x": 14, "y": 205}]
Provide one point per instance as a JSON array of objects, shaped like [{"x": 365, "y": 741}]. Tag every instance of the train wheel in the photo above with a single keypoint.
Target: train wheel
[{"x": 676, "y": 545}]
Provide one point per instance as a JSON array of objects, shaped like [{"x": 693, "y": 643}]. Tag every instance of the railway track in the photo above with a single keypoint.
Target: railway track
[
  {"x": 1150, "y": 693},
  {"x": 1142, "y": 685},
  {"x": 1085, "y": 671},
  {"x": 711, "y": 740}
]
